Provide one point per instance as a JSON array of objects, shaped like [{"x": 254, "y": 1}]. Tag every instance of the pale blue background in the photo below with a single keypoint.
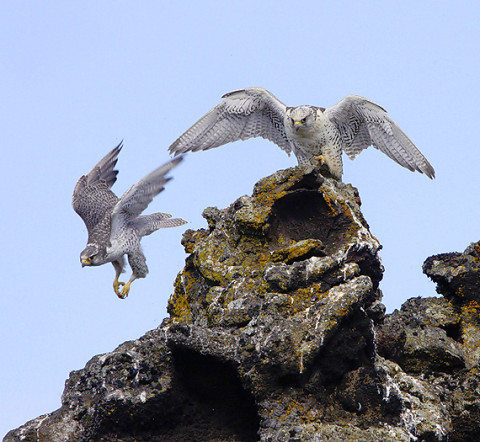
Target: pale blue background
[{"x": 79, "y": 76}]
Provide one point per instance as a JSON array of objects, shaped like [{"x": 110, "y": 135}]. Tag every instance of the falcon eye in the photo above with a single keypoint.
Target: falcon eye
[{"x": 304, "y": 119}]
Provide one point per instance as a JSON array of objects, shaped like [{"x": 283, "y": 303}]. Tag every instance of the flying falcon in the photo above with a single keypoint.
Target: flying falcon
[
  {"x": 115, "y": 226},
  {"x": 312, "y": 133}
]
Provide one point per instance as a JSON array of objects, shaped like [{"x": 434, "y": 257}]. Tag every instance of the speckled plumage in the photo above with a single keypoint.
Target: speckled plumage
[
  {"x": 115, "y": 225},
  {"x": 351, "y": 125}
]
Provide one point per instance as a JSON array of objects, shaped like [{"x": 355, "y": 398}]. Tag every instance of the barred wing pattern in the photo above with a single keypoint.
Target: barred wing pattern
[
  {"x": 140, "y": 195},
  {"x": 362, "y": 123},
  {"x": 242, "y": 114},
  {"x": 148, "y": 224},
  {"x": 92, "y": 197}
]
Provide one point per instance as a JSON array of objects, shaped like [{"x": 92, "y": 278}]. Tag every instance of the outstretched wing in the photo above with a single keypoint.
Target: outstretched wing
[
  {"x": 140, "y": 195},
  {"x": 92, "y": 197},
  {"x": 242, "y": 114},
  {"x": 362, "y": 123}
]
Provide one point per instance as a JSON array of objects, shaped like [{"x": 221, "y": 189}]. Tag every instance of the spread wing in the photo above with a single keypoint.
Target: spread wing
[
  {"x": 92, "y": 197},
  {"x": 242, "y": 114},
  {"x": 363, "y": 123},
  {"x": 140, "y": 195}
]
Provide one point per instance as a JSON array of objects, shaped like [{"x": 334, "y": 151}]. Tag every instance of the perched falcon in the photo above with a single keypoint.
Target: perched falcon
[
  {"x": 313, "y": 133},
  {"x": 115, "y": 226}
]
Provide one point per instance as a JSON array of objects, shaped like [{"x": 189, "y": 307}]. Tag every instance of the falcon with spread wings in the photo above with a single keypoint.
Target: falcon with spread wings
[
  {"x": 312, "y": 133},
  {"x": 115, "y": 225}
]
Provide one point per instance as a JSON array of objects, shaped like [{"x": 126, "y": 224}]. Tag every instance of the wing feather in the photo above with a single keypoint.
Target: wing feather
[
  {"x": 242, "y": 114},
  {"x": 140, "y": 195},
  {"x": 362, "y": 123},
  {"x": 92, "y": 197}
]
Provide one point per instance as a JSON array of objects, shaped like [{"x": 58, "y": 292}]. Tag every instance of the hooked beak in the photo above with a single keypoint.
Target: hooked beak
[
  {"x": 86, "y": 262},
  {"x": 297, "y": 124}
]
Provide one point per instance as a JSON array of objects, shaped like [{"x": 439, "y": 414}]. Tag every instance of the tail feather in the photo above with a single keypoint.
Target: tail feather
[{"x": 148, "y": 224}]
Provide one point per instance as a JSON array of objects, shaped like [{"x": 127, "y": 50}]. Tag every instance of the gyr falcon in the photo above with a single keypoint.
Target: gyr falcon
[
  {"x": 312, "y": 133},
  {"x": 115, "y": 226}
]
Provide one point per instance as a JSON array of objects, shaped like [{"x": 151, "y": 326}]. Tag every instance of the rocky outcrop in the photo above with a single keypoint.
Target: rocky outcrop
[
  {"x": 436, "y": 341},
  {"x": 277, "y": 332}
]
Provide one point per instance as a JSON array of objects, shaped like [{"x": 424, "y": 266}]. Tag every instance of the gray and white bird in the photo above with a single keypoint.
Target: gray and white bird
[
  {"x": 115, "y": 225},
  {"x": 312, "y": 133}
]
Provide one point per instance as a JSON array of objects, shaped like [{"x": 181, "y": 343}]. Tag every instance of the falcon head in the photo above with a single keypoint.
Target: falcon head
[
  {"x": 89, "y": 256},
  {"x": 301, "y": 117}
]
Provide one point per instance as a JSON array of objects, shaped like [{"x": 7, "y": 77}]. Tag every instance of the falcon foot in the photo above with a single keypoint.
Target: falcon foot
[
  {"x": 125, "y": 291},
  {"x": 320, "y": 159},
  {"x": 116, "y": 286}
]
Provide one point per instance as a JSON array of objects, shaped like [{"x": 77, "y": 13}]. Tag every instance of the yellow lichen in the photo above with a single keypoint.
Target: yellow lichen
[
  {"x": 178, "y": 304},
  {"x": 297, "y": 250},
  {"x": 303, "y": 298},
  {"x": 472, "y": 308}
]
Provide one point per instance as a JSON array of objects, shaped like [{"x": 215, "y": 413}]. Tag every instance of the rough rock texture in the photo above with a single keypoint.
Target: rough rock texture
[
  {"x": 277, "y": 332},
  {"x": 436, "y": 341}
]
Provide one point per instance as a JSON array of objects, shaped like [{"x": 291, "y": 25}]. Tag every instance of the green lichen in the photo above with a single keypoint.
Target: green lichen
[
  {"x": 303, "y": 298},
  {"x": 299, "y": 250},
  {"x": 179, "y": 308},
  {"x": 178, "y": 305}
]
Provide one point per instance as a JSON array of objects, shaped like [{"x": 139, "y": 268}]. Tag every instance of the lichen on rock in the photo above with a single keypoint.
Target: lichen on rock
[{"x": 277, "y": 333}]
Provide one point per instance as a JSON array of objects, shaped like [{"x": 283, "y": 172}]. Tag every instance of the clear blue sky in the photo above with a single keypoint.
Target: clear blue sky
[{"x": 79, "y": 76}]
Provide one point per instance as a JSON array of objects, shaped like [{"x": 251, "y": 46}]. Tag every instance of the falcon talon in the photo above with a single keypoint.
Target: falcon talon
[
  {"x": 351, "y": 125},
  {"x": 122, "y": 295},
  {"x": 116, "y": 285},
  {"x": 116, "y": 225},
  {"x": 125, "y": 291}
]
